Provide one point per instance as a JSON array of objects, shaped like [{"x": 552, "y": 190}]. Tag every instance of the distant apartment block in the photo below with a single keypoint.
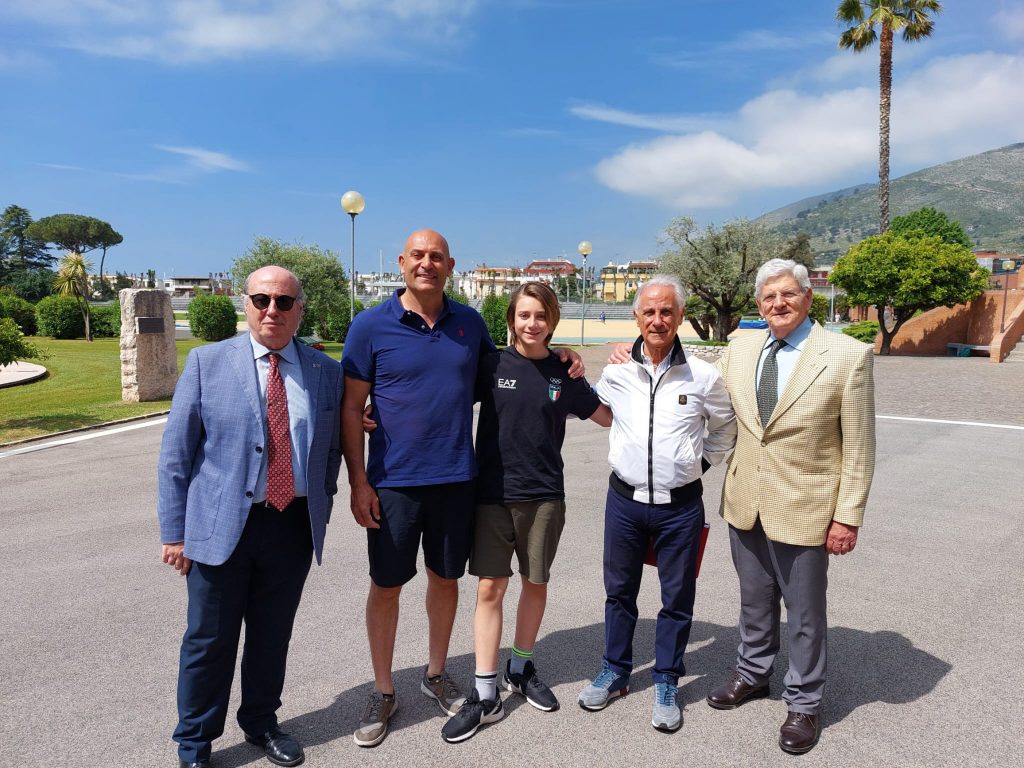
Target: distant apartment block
[
  {"x": 185, "y": 286},
  {"x": 617, "y": 282}
]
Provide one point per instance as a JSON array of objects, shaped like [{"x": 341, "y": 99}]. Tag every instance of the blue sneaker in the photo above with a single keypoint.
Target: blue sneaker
[
  {"x": 606, "y": 686},
  {"x": 666, "y": 715}
]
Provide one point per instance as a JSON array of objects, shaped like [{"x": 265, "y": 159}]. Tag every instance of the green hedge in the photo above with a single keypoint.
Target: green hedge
[
  {"x": 59, "y": 317},
  {"x": 106, "y": 321},
  {"x": 213, "y": 318},
  {"x": 20, "y": 311},
  {"x": 865, "y": 331}
]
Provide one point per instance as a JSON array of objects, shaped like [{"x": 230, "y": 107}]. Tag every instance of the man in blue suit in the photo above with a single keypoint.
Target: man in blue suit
[{"x": 248, "y": 471}]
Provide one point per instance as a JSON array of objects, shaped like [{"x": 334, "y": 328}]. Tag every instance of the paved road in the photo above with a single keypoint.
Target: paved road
[{"x": 927, "y": 615}]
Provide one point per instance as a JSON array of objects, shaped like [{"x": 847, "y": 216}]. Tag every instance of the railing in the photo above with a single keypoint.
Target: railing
[{"x": 1013, "y": 331}]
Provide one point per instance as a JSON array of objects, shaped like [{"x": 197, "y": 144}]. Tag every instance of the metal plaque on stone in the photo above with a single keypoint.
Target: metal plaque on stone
[{"x": 149, "y": 324}]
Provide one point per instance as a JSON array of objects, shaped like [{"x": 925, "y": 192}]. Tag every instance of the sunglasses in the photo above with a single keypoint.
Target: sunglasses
[{"x": 262, "y": 301}]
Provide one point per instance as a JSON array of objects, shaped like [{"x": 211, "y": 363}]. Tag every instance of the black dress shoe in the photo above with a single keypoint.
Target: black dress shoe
[
  {"x": 734, "y": 692},
  {"x": 799, "y": 733},
  {"x": 204, "y": 763},
  {"x": 280, "y": 748}
]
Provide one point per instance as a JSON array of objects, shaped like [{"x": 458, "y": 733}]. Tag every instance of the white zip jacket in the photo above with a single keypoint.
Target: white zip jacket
[{"x": 663, "y": 425}]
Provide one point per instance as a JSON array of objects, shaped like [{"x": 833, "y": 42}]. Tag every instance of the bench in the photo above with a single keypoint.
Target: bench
[{"x": 964, "y": 350}]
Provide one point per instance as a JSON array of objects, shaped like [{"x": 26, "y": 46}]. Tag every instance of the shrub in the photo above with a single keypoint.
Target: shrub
[
  {"x": 865, "y": 331},
  {"x": 819, "y": 309},
  {"x": 59, "y": 317},
  {"x": 20, "y": 311},
  {"x": 106, "y": 321},
  {"x": 212, "y": 318},
  {"x": 13, "y": 346},
  {"x": 494, "y": 311},
  {"x": 338, "y": 321}
]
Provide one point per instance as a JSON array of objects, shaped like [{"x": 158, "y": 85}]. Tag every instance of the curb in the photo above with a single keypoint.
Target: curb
[
  {"x": 114, "y": 423},
  {"x": 26, "y": 378}
]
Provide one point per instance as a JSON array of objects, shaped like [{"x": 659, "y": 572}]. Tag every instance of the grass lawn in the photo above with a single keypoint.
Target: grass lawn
[{"x": 82, "y": 389}]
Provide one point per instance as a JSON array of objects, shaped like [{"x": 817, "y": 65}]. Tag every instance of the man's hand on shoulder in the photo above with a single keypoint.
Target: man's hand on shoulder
[
  {"x": 620, "y": 353},
  {"x": 566, "y": 355},
  {"x": 842, "y": 538},
  {"x": 174, "y": 554}
]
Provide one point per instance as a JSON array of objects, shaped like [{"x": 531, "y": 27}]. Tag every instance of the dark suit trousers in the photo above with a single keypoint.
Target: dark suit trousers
[
  {"x": 770, "y": 571},
  {"x": 675, "y": 529},
  {"x": 260, "y": 584}
]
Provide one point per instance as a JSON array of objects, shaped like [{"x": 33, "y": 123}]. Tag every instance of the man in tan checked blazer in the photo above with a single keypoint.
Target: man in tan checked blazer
[{"x": 795, "y": 489}]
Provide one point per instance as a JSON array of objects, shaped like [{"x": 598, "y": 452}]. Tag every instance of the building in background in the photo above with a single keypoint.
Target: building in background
[{"x": 618, "y": 282}]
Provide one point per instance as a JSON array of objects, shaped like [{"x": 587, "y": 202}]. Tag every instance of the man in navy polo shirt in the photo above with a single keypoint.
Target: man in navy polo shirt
[{"x": 416, "y": 356}]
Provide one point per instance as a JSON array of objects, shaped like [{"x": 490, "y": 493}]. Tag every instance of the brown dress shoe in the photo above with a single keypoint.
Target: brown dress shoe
[
  {"x": 799, "y": 733},
  {"x": 734, "y": 692}
]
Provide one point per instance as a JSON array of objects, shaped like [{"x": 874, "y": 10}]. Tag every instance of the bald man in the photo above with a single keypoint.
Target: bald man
[
  {"x": 247, "y": 474},
  {"x": 415, "y": 357}
]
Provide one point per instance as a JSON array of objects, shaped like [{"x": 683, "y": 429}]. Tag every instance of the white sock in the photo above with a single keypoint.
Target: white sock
[{"x": 486, "y": 685}]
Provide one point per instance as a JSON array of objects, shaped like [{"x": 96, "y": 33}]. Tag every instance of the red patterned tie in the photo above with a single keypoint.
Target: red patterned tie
[{"x": 280, "y": 481}]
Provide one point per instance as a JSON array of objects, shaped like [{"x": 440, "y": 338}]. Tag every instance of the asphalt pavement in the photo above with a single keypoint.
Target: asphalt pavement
[{"x": 926, "y": 616}]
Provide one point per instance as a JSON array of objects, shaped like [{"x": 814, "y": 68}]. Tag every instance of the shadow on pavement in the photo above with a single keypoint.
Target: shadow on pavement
[{"x": 865, "y": 667}]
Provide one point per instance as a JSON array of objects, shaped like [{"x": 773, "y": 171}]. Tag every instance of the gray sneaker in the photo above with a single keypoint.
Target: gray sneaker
[
  {"x": 666, "y": 715},
  {"x": 442, "y": 689},
  {"x": 606, "y": 686},
  {"x": 373, "y": 727}
]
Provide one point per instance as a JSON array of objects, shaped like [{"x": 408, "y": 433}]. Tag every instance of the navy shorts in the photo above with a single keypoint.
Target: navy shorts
[{"x": 441, "y": 515}]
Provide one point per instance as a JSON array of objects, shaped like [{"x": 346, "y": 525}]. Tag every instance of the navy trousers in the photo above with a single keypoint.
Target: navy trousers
[
  {"x": 675, "y": 530},
  {"x": 260, "y": 584}
]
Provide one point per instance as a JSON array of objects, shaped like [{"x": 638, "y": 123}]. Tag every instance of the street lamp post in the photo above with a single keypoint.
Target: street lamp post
[
  {"x": 353, "y": 204},
  {"x": 585, "y": 249},
  {"x": 1008, "y": 266}
]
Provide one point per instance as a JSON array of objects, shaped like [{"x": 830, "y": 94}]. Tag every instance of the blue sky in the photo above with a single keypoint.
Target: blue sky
[{"x": 516, "y": 128}]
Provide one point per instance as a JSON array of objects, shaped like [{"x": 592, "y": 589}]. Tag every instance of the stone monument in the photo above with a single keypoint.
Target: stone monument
[{"x": 149, "y": 358}]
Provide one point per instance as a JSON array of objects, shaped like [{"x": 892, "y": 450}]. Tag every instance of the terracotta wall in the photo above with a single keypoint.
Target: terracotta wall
[{"x": 974, "y": 323}]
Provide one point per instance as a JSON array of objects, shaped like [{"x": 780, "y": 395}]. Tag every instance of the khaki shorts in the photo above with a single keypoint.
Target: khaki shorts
[{"x": 531, "y": 529}]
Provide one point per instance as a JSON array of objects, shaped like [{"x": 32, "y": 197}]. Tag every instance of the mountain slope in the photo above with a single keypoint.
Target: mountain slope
[{"x": 984, "y": 192}]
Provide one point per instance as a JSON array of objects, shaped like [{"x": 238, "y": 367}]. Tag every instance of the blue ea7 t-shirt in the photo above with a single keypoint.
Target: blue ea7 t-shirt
[{"x": 422, "y": 383}]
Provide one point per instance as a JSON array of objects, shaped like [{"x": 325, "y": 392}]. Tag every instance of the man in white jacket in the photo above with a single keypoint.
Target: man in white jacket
[{"x": 672, "y": 418}]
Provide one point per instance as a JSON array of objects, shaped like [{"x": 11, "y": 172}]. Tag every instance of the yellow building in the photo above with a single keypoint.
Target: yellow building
[{"x": 618, "y": 281}]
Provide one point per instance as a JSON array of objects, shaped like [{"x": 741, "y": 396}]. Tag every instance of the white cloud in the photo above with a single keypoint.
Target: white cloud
[
  {"x": 1010, "y": 21},
  {"x": 666, "y": 123},
  {"x": 742, "y": 51},
  {"x": 180, "y": 31},
  {"x": 61, "y": 167},
  {"x": 787, "y": 139},
  {"x": 205, "y": 159}
]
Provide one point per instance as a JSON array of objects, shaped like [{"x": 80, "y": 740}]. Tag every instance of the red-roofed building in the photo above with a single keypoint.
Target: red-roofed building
[{"x": 550, "y": 268}]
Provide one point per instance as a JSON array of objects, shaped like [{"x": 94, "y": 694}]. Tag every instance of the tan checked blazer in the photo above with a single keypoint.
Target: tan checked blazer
[{"x": 814, "y": 461}]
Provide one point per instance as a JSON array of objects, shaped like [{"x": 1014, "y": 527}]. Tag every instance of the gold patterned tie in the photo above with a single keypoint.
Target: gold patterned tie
[{"x": 280, "y": 480}]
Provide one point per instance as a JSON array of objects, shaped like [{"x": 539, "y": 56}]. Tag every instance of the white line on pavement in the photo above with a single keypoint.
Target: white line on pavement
[
  {"x": 155, "y": 422},
  {"x": 83, "y": 436},
  {"x": 958, "y": 423}
]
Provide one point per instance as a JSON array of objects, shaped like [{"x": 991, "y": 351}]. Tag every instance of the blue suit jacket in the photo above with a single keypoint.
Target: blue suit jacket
[{"x": 214, "y": 442}]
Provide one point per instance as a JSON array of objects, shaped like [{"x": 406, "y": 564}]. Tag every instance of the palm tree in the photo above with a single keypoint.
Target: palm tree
[
  {"x": 911, "y": 17},
  {"x": 73, "y": 280}
]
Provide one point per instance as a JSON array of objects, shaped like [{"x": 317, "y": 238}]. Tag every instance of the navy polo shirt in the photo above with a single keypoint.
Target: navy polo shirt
[{"x": 422, "y": 382}]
